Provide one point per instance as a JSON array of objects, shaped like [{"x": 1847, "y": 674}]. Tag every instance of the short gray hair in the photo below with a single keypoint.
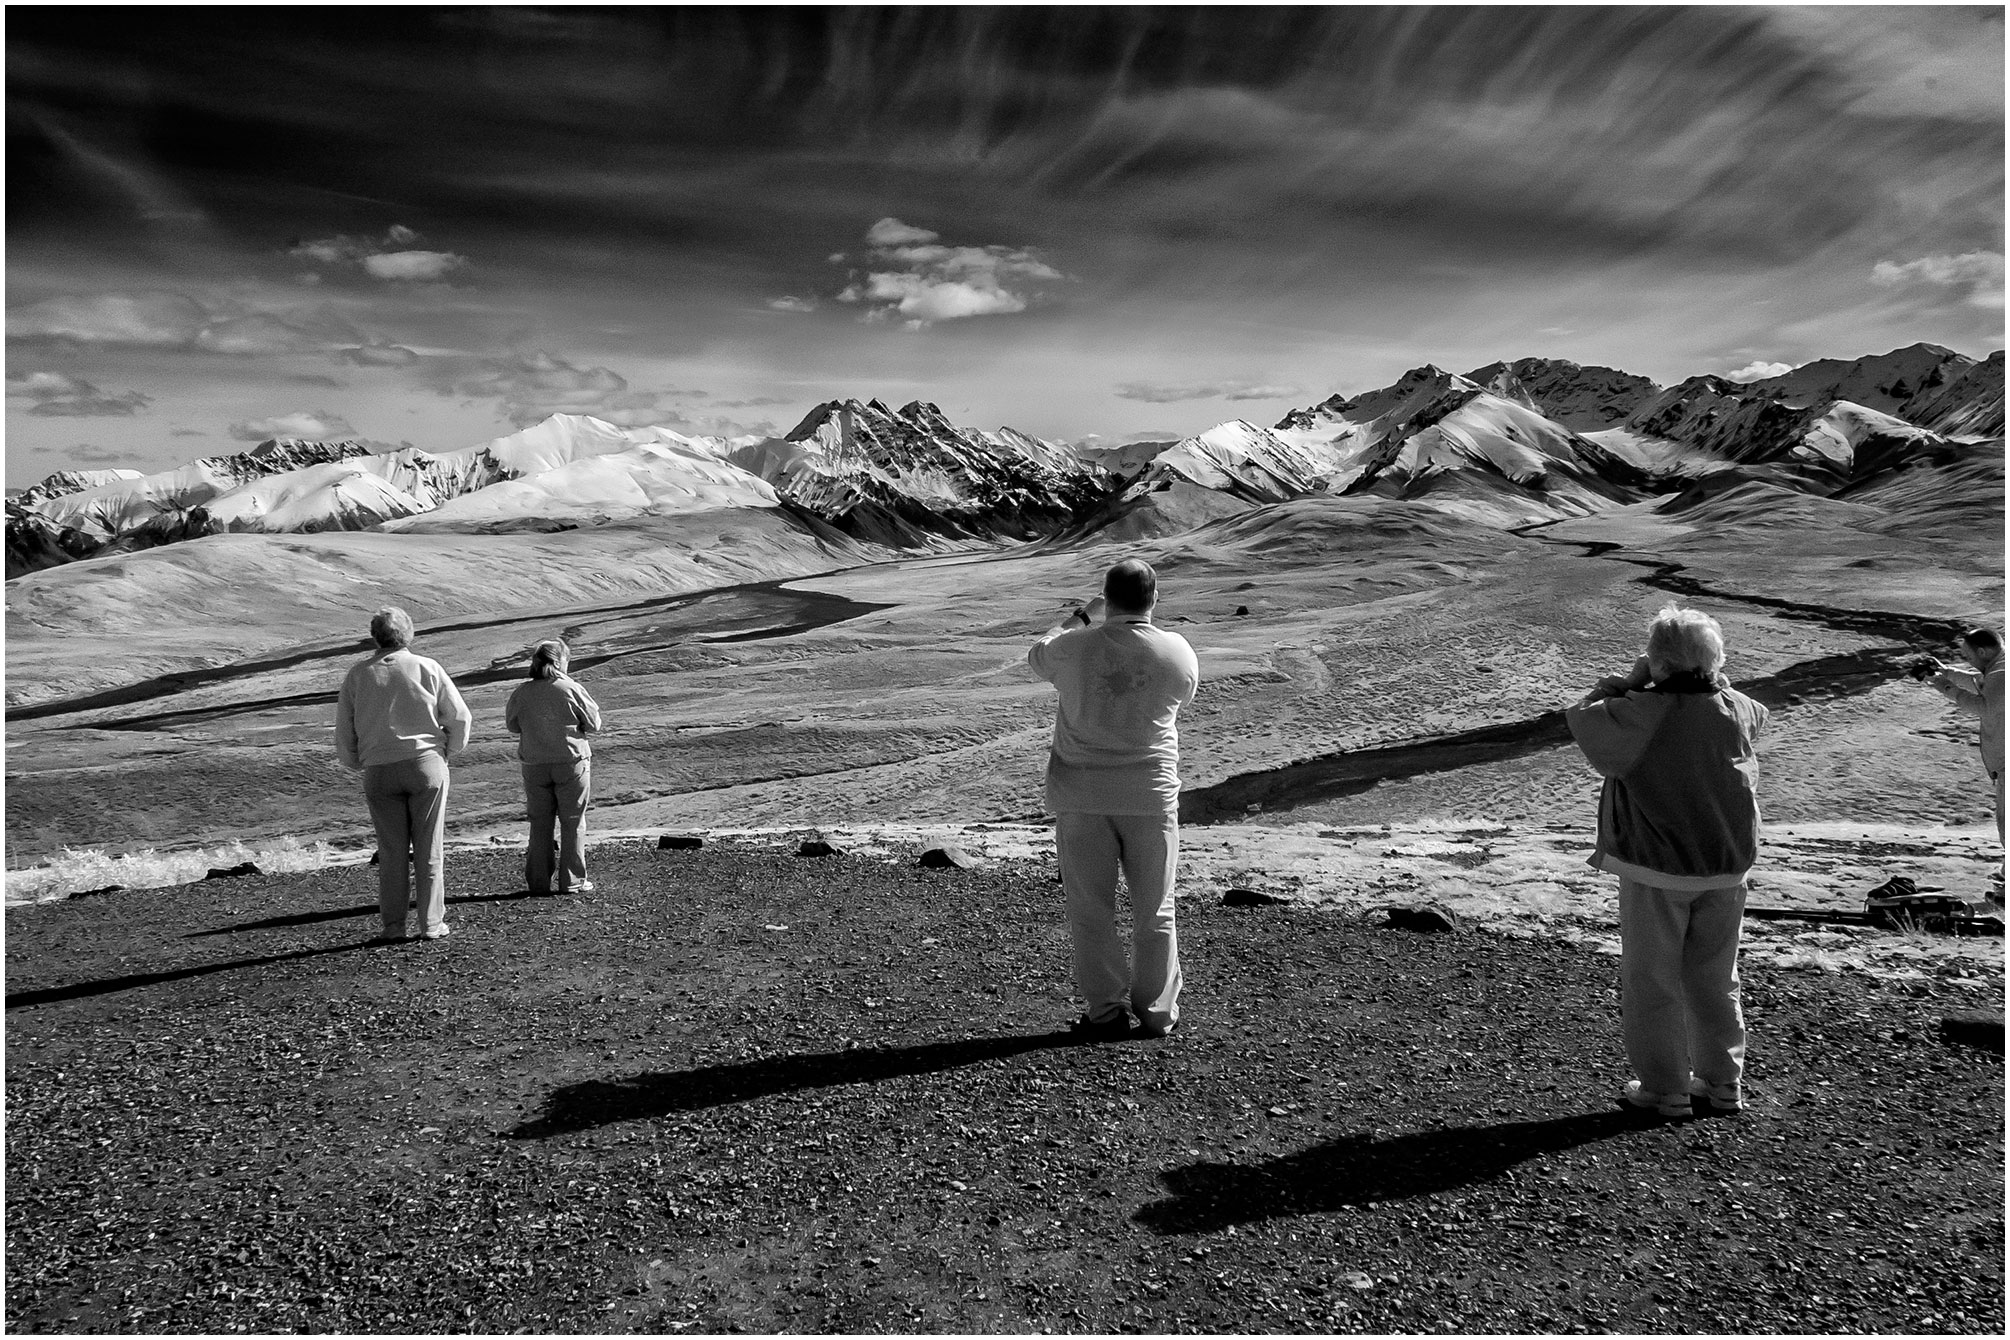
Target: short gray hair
[
  {"x": 391, "y": 627},
  {"x": 1685, "y": 640}
]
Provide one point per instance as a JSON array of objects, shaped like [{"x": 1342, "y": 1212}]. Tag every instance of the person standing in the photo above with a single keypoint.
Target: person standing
[
  {"x": 551, "y": 715},
  {"x": 399, "y": 718},
  {"x": 1678, "y": 823},
  {"x": 1113, "y": 787},
  {"x": 1978, "y": 691}
]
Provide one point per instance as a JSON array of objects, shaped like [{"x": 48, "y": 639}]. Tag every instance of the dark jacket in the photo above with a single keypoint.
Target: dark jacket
[{"x": 1681, "y": 796}]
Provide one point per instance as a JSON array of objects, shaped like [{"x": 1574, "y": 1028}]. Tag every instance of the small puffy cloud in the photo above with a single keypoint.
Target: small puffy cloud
[
  {"x": 316, "y": 424},
  {"x": 378, "y": 354},
  {"x": 413, "y": 266},
  {"x": 147, "y": 320},
  {"x": 59, "y": 395},
  {"x": 1164, "y": 393},
  {"x": 912, "y": 277},
  {"x": 891, "y": 232},
  {"x": 391, "y": 258},
  {"x": 923, "y": 298},
  {"x": 330, "y": 250},
  {"x": 1981, "y": 272},
  {"x": 1758, "y": 372},
  {"x": 788, "y": 303}
]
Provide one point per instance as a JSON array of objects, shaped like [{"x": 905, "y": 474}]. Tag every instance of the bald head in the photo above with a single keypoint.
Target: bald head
[{"x": 1131, "y": 587}]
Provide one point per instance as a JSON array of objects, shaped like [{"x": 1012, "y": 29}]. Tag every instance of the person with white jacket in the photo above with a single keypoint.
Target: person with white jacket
[
  {"x": 1113, "y": 788},
  {"x": 398, "y": 719}
]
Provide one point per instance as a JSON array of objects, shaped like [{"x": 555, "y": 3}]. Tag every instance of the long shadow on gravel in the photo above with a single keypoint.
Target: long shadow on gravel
[
  {"x": 597, "y": 1102},
  {"x": 105, "y": 986},
  {"x": 1207, "y": 1197},
  {"x": 368, "y": 909}
]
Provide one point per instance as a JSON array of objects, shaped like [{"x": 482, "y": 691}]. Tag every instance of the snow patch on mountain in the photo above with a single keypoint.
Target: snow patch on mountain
[
  {"x": 70, "y": 481},
  {"x": 651, "y": 478}
]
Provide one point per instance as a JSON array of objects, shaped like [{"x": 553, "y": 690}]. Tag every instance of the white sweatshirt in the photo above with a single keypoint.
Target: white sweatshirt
[{"x": 1116, "y": 741}]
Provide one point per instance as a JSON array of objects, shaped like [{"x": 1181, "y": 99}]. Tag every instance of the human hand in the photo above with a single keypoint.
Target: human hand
[
  {"x": 1641, "y": 675},
  {"x": 1094, "y": 609}
]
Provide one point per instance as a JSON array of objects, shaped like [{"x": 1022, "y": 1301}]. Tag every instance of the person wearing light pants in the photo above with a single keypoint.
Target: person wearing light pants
[
  {"x": 551, "y": 714},
  {"x": 1678, "y": 823},
  {"x": 1113, "y": 787},
  {"x": 398, "y": 718}
]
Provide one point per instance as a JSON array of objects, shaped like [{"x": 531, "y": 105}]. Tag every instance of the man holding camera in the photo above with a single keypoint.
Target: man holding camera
[{"x": 1113, "y": 787}]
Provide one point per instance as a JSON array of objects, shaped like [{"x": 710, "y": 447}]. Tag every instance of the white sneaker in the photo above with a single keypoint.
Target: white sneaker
[
  {"x": 1664, "y": 1104},
  {"x": 438, "y": 932},
  {"x": 1722, "y": 1097}
]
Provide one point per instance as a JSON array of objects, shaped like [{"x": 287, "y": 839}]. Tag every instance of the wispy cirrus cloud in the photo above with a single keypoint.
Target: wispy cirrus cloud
[
  {"x": 920, "y": 281},
  {"x": 378, "y": 354},
  {"x": 165, "y": 320},
  {"x": 1166, "y": 393},
  {"x": 1980, "y": 272},
  {"x": 788, "y": 302},
  {"x": 534, "y": 386},
  {"x": 147, "y": 320},
  {"x": 89, "y": 453},
  {"x": 307, "y": 423},
  {"x": 59, "y": 395}
]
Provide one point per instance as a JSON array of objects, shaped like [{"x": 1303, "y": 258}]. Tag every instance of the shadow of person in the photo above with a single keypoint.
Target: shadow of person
[
  {"x": 105, "y": 986},
  {"x": 1362, "y": 1170},
  {"x": 602, "y": 1102},
  {"x": 343, "y": 913}
]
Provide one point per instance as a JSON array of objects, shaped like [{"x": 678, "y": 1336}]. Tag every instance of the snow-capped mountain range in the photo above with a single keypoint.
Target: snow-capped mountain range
[{"x": 1505, "y": 444}]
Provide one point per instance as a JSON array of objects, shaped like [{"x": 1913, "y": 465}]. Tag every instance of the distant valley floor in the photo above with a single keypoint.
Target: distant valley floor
[{"x": 1360, "y": 664}]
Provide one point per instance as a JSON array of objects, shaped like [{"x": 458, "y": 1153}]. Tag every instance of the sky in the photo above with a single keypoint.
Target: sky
[{"x": 431, "y": 227}]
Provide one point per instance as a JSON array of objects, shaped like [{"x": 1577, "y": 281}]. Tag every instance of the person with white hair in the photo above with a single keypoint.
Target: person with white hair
[
  {"x": 1678, "y": 823},
  {"x": 398, "y": 719},
  {"x": 551, "y": 715}
]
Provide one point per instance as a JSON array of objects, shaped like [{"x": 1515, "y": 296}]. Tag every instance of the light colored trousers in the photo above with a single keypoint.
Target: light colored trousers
[
  {"x": 556, "y": 795},
  {"x": 408, "y": 808},
  {"x": 1680, "y": 1006},
  {"x": 1092, "y": 848}
]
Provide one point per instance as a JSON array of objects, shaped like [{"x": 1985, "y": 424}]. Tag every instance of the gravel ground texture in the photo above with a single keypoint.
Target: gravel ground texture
[{"x": 737, "y": 1089}]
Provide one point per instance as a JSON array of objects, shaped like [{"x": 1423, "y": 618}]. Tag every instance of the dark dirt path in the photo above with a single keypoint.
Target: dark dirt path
[{"x": 737, "y": 1089}]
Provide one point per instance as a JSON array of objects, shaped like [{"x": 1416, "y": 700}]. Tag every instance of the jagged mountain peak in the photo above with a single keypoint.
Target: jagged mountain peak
[{"x": 1583, "y": 398}]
